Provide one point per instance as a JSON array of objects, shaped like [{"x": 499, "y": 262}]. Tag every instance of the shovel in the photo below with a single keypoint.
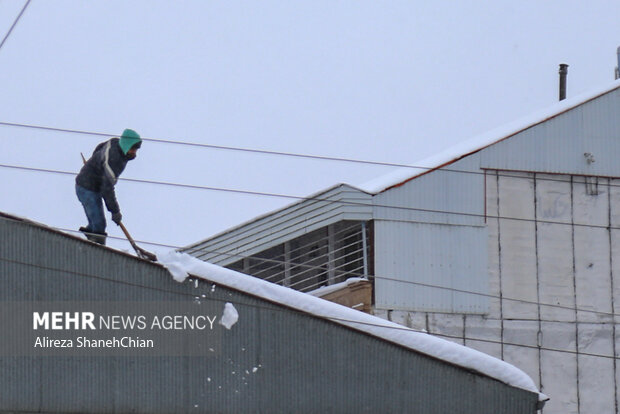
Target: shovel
[{"x": 143, "y": 254}]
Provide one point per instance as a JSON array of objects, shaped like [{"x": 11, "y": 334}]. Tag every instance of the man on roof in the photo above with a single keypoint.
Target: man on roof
[{"x": 97, "y": 178}]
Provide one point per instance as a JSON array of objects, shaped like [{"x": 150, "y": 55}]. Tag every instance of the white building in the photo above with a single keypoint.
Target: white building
[{"x": 508, "y": 244}]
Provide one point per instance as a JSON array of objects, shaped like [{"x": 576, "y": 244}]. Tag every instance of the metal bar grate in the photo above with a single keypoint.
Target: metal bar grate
[{"x": 322, "y": 257}]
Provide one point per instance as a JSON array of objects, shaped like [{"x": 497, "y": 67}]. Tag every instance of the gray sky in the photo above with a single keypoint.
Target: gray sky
[{"x": 391, "y": 81}]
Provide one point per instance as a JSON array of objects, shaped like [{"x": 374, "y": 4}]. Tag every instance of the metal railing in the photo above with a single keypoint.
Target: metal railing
[{"x": 323, "y": 257}]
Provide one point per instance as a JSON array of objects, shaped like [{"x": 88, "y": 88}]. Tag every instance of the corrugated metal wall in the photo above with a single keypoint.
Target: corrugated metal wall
[
  {"x": 274, "y": 360},
  {"x": 436, "y": 196},
  {"x": 424, "y": 243},
  {"x": 559, "y": 144},
  {"x": 423, "y": 255}
]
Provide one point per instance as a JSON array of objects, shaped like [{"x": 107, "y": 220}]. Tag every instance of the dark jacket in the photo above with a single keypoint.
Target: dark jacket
[{"x": 102, "y": 170}]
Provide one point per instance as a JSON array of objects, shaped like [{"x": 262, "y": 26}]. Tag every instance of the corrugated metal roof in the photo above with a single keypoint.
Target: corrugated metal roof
[
  {"x": 273, "y": 360},
  {"x": 46, "y": 228},
  {"x": 468, "y": 147},
  {"x": 340, "y": 202}
]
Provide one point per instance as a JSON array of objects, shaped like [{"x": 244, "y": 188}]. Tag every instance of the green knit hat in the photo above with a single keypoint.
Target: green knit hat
[{"x": 128, "y": 140}]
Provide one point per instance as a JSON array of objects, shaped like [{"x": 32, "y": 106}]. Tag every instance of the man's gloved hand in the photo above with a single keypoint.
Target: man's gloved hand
[{"x": 117, "y": 217}]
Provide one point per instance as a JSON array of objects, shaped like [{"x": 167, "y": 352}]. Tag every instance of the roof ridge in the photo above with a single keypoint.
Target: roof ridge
[{"x": 479, "y": 142}]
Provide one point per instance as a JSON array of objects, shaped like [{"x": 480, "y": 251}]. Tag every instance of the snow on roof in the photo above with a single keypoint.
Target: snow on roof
[
  {"x": 181, "y": 265},
  {"x": 324, "y": 290},
  {"x": 480, "y": 142}
]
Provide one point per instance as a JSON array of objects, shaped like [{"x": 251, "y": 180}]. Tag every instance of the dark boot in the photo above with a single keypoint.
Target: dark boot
[
  {"x": 99, "y": 238},
  {"x": 94, "y": 237}
]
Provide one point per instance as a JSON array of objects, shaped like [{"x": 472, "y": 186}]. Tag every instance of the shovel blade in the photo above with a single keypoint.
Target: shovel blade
[{"x": 143, "y": 254}]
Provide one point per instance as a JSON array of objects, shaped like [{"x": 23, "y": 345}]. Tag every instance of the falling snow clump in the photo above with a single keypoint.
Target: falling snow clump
[{"x": 230, "y": 316}]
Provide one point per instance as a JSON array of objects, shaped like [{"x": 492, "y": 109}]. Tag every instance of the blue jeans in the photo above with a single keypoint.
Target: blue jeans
[{"x": 93, "y": 207}]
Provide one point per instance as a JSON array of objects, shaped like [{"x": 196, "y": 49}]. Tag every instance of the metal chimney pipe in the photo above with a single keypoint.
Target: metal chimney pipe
[{"x": 563, "y": 73}]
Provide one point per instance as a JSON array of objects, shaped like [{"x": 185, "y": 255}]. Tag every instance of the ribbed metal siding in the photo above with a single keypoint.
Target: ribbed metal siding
[
  {"x": 273, "y": 360},
  {"x": 438, "y": 237},
  {"x": 423, "y": 255},
  {"x": 558, "y": 144},
  {"x": 453, "y": 195},
  {"x": 340, "y": 203},
  {"x": 36, "y": 262}
]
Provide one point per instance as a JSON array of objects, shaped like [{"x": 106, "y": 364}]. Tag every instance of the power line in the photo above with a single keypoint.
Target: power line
[
  {"x": 331, "y": 318},
  {"x": 217, "y": 147},
  {"x": 536, "y": 347},
  {"x": 365, "y": 204},
  {"x": 423, "y": 169},
  {"x": 326, "y": 200},
  {"x": 395, "y": 279},
  {"x": 14, "y": 23},
  {"x": 406, "y": 282},
  {"x": 337, "y": 201},
  {"x": 491, "y": 341}
]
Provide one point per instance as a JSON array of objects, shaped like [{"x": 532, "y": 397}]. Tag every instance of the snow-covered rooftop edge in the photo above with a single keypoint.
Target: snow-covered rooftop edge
[
  {"x": 181, "y": 265},
  {"x": 480, "y": 142}
]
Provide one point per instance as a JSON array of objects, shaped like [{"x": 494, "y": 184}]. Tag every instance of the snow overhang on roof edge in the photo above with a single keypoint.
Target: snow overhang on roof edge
[
  {"x": 181, "y": 265},
  {"x": 478, "y": 143}
]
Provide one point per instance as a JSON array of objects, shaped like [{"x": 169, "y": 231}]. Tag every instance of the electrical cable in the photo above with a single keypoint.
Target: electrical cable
[
  {"x": 218, "y": 147},
  {"x": 285, "y": 308},
  {"x": 336, "y": 201},
  {"x": 326, "y": 200},
  {"x": 14, "y": 24},
  {"x": 541, "y": 348},
  {"x": 288, "y": 154},
  {"x": 444, "y": 288}
]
